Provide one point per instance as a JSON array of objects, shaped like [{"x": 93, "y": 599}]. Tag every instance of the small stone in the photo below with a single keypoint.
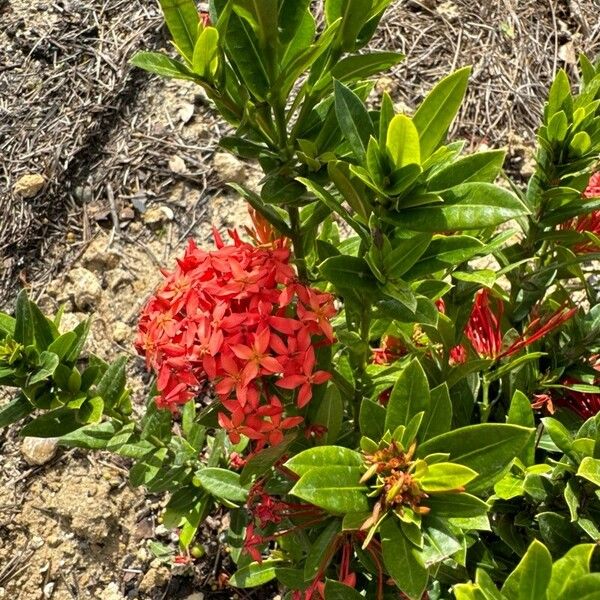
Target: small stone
[
  {"x": 71, "y": 237},
  {"x": 229, "y": 168},
  {"x": 195, "y": 596},
  {"x": 39, "y": 451},
  {"x": 161, "y": 531},
  {"x": 177, "y": 165},
  {"x": 567, "y": 53},
  {"x": 118, "y": 278},
  {"x": 112, "y": 592},
  {"x": 99, "y": 258},
  {"x": 36, "y": 542},
  {"x": 49, "y": 589},
  {"x": 448, "y": 10},
  {"x": 142, "y": 555},
  {"x": 139, "y": 203},
  {"x": 156, "y": 577},
  {"x": 158, "y": 215},
  {"x": 29, "y": 185},
  {"x": 186, "y": 112},
  {"x": 85, "y": 289}
]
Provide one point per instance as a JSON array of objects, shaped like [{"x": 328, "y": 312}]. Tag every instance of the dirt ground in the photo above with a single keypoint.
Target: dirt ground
[{"x": 131, "y": 171}]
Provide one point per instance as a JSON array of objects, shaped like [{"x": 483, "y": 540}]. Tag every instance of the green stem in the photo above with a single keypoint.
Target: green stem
[{"x": 298, "y": 243}]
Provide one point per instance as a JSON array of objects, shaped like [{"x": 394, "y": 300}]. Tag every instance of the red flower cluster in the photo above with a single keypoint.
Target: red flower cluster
[
  {"x": 483, "y": 330},
  {"x": 584, "y": 404},
  {"x": 237, "y": 318},
  {"x": 590, "y": 222}
]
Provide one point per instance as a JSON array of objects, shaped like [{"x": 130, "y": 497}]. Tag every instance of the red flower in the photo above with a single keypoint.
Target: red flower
[
  {"x": 584, "y": 404},
  {"x": 252, "y": 541},
  {"x": 218, "y": 319},
  {"x": 484, "y": 332},
  {"x": 587, "y": 223}
]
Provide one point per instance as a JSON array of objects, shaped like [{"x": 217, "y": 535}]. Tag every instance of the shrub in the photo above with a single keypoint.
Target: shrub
[{"x": 391, "y": 416}]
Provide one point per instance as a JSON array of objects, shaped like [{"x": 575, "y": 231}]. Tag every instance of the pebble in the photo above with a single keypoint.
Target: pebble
[
  {"x": 38, "y": 451},
  {"x": 36, "y": 542},
  {"x": 195, "y": 596},
  {"x": 229, "y": 168},
  {"x": 156, "y": 577},
  {"x": 85, "y": 288},
  {"x": 157, "y": 216},
  {"x": 121, "y": 333},
  {"x": 49, "y": 589},
  {"x": 177, "y": 165},
  {"x": 29, "y": 185}
]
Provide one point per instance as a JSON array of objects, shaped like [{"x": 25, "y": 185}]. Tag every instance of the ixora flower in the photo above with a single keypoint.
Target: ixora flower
[
  {"x": 584, "y": 404},
  {"x": 237, "y": 318},
  {"x": 484, "y": 332},
  {"x": 589, "y": 223}
]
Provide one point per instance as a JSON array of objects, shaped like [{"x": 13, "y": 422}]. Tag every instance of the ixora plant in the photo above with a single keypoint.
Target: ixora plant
[{"x": 390, "y": 417}]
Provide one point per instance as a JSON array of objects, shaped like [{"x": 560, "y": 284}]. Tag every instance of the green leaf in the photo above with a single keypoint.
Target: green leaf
[
  {"x": 91, "y": 410},
  {"x": 112, "y": 383},
  {"x": 330, "y": 414},
  {"x": 482, "y": 167},
  {"x": 354, "y": 119},
  {"x": 403, "y": 142},
  {"x": 443, "y": 477},
  {"x": 371, "y": 419},
  {"x": 361, "y": 66},
  {"x": 438, "y": 417},
  {"x": 206, "y": 53},
  {"x": 584, "y": 588},
  {"x": 410, "y": 395},
  {"x": 63, "y": 344},
  {"x": 15, "y": 411},
  {"x": 243, "y": 47},
  {"x": 44, "y": 329},
  {"x": 48, "y": 364},
  {"x": 402, "y": 560},
  {"x": 7, "y": 324},
  {"x": 466, "y": 206},
  {"x": 52, "y": 424},
  {"x": 437, "y": 111},
  {"x": 456, "y": 506},
  {"x": 163, "y": 65},
  {"x": 24, "y": 333},
  {"x": 556, "y": 530},
  {"x": 573, "y": 565},
  {"x": 521, "y": 413},
  {"x": 348, "y": 273},
  {"x": 320, "y": 549},
  {"x": 531, "y": 577},
  {"x": 440, "y": 542},
  {"x": 560, "y": 90},
  {"x": 255, "y": 574},
  {"x": 92, "y": 437},
  {"x": 590, "y": 470},
  {"x": 334, "y": 590},
  {"x": 291, "y": 15},
  {"x": 405, "y": 254},
  {"x": 335, "y": 489},
  {"x": 487, "y": 448},
  {"x": 182, "y": 20},
  {"x": 222, "y": 483},
  {"x": 323, "y": 457},
  {"x": 261, "y": 462}
]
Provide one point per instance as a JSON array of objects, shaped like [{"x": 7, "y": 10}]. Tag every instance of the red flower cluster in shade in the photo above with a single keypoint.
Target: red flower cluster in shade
[
  {"x": 237, "y": 317},
  {"x": 483, "y": 330},
  {"x": 590, "y": 222},
  {"x": 584, "y": 404}
]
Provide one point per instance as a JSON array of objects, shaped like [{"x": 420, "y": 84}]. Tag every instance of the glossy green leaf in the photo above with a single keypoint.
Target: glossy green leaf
[
  {"x": 323, "y": 456},
  {"x": 371, "y": 419},
  {"x": 482, "y": 167},
  {"x": 335, "y": 489},
  {"x": 334, "y": 590},
  {"x": 330, "y": 414},
  {"x": 532, "y": 575},
  {"x": 521, "y": 413},
  {"x": 321, "y": 549},
  {"x": 206, "y": 53},
  {"x": 361, "y": 66},
  {"x": 348, "y": 273},
  {"x": 255, "y": 574},
  {"x": 24, "y": 333},
  {"x": 91, "y": 437},
  {"x": 354, "y": 119},
  {"x": 290, "y": 17},
  {"x": 182, "y": 20},
  {"x": 584, "y": 588},
  {"x": 443, "y": 477},
  {"x": 436, "y": 113},
  {"x": 438, "y": 417},
  {"x": 487, "y": 448},
  {"x": 456, "y": 506},
  {"x": 573, "y": 565},
  {"x": 222, "y": 484},
  {"x": 403, "y": 142},
  {"x": 111, "y": 385},
  {"x": 402, "y": 560},
  {"x": 15, "y": 411},
  {"x": 262, "y": 461},
  {"x": 410, "y": 395},
  {"x": 163, "y": 65},
  {"x": 590, "y": 470},
  {"x": 466, "y": 206},
  {"x": 54, "y": 423},
  {"x": 405, "y": 254}
]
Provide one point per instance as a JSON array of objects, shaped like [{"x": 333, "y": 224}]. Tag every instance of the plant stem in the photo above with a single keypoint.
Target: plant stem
[{"x": 298, "y": 243}]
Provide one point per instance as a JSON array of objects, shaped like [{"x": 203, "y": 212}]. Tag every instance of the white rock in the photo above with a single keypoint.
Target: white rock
[
  {"x": 49, "y": 589},
  {"x": 36, "y": 542},
  {"x": 186, "y": 112},
  {"x": 121, "y": 332},
  {"x": 177, "y": 164},
  {"x": 99, "y": 258},
  {"x": 229, "y": 168},
  {"x": 196, "y": 596},
  {"x": 158, "y": 215},
  {"x": 38, "y": 451},
  {"x": 85, "y": 288},
  {"x": 29, "y": 185},
  {"x": 112, "y": 592}
]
